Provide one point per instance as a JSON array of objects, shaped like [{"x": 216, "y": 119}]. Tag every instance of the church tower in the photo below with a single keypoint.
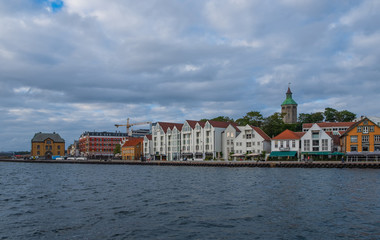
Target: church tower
[{"x": 289, "y": 107}]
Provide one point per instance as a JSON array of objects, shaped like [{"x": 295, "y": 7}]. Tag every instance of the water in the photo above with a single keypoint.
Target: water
[{"x": 69, "y": 201}]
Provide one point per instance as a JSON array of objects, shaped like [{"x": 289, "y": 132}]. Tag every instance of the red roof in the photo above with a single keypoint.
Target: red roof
[
  {"x": 192, "y": 123},
  {"x": 329, "y": 124},
  {"x": 166, "y": 125},
  {"x": 149, "y": 137},
  {"x": 220, "y": 124},
  {"x": 288, "y": 134},
  {"x": 133, "y": 142},
  {"x": 261, "y": 133}
]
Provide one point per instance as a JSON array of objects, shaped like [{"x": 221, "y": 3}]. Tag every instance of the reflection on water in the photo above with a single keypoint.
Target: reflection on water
[{"x": 50, "y": 201}]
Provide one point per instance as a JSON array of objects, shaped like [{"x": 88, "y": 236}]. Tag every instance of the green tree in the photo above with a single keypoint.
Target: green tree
[
  {"x": 222, "y": 119},
  {"x": 253, "y": 118},
  {"x": 345, "y": 116},
  {"x": 311, "y": 117},
  {"x": 330, "y": 114},
  {"x": 117, "y": 149},
  {"x": 274, "y": 125}
]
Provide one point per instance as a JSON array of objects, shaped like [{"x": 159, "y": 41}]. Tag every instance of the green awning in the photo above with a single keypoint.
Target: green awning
[{"x": 283, "y": 154}]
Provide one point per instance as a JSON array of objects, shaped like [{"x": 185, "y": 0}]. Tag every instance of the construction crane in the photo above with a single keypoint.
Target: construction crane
[{"x": 128, "y": 125}]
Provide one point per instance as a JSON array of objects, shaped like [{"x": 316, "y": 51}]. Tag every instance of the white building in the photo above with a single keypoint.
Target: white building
[
  {"x": 148, "y": 147},
  {"x": 249, "y": 142},
  {"x": 287, "y": 144},
  {"x": 316, "y": 140}
]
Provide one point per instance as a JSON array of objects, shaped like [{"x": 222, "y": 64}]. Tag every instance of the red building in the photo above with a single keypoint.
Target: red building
[{"x": 99, "y": 144}]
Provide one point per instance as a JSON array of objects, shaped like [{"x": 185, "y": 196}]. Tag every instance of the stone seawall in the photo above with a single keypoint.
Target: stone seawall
[{"x": 282, "y": 164}]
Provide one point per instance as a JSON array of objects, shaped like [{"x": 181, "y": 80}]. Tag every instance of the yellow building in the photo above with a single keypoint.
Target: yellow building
[
  {"x": 132, "y": 149},
  {"x": 362, "y": 138},
  {"x": 47, "y": 145}
]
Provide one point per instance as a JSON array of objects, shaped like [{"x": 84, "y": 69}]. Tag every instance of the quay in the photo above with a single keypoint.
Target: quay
[{"x": 267, "y": 164}]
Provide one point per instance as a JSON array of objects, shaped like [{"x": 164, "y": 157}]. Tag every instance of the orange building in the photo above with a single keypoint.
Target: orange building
[
  {"x": 132, "y": 149},
  {"x": 47, "y": 145},
  {"x": 362, "y": 138}
]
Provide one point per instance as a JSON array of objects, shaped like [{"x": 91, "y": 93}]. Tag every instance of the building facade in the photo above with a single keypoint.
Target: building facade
[
  {"x": 132, "y": 149},
  {"x": 250, "y": 142},
  {"x": 362, "y": 139},
  {"x": 47, "y": 145},
  {"x": 289, "y": 108},
  {"x": 287, "y": 145},
  {"x": 99, "y": 144}
]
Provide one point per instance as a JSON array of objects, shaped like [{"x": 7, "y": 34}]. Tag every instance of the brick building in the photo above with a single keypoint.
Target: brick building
[{"x": 47, "y": 145}]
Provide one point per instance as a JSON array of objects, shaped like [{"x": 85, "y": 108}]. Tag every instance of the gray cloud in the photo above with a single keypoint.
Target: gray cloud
[{"x": 88, "y": 66}]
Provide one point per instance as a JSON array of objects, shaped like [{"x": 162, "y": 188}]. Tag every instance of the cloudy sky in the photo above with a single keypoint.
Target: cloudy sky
[{"x": 71, "y": 66}]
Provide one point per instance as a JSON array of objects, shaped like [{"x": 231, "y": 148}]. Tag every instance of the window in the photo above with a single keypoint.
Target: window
[
  {"x": 276, "y": 144},
  {"x": 38, "y": 147},
  {"x": 377, "y": 138},
  {"x": 315, "y": 135},
  {"x": 293, "y": 143},
  {"x": 306, "y": 144},
  {"x": 253, "y": 143},
  {"x": 365, "y": 148},
  {"x": 315, "y": 142},
  {"x": 48, "y": 142},
  {"x": 371, "y": 128},
  {"x": 281, "y": 144},
  {"x": 325, "y": 144},
  {"x": 315, "y": 149},
  {"x": 38, "y": 152},
  {"x": 228, "y": 134},
  {"x": 58, "y": 147},
  {"x": 248, "y": 144},
  {"x": 365, "y": 129},
  {"x": 249, "y": 136},
  {"x": 228, "y": 142},
  {"x": 232, "y": 134},
  {"x": 365, "y": 138},
  {"x": 59, "y": 153},
  {"x": 258, "y": 143},
  {"x": 354, "y": 139},
  {"x": 359, "y": 129}
]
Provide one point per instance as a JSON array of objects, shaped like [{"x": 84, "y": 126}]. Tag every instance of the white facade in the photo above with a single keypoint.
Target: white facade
[
  {"x": 316, "y": 140},
  {"x": 249, "y": 141},
  {"x": 148, "y": 147}
]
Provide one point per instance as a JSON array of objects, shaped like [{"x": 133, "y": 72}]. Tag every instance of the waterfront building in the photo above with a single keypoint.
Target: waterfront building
[
  {"x": 73, "y": 149},
  {"x": 160, "y": 139},
  {"x": 289, "y": 108},
  {"x": 192, "y": 142},
  {"x": 316, "y": 142},
  {"x": 287, "y": 145},
  {"x": 47, "y": 145},
  {"x": 99, "y": 144},
  {"x": 148, "y": 147},
  {"x": 250, "y": 142},
  {"x": 333, "y": 129},
  {"x": 132, "y": 148},
  {"x": 362, "y": 140}
]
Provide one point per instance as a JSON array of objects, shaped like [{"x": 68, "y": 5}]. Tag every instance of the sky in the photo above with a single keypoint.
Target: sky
[{"x": 70, "y": 66}]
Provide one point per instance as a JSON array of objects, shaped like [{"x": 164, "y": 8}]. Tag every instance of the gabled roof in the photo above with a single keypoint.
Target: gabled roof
[
  {"x": 358, "y": 123},
  {"x": 261, "y": 133},
  {"x": 288, "y": 134},
  {"x": 219, "y": 124},
  {"x": 166, "y": 125},
  {"x": 329, "y": 124},
  {"x": 149, "y": 137},
  {"x": 41, "y": 137},
  {"x": 133, "y": 142},
  {"x": 192, "y": 123}
]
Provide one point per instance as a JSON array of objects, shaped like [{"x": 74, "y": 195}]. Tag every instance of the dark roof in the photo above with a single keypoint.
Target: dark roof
[
  {"x": 329, "y": 124},
  {"x": 149, "y": 137},
  {"x": 41, "y": 137},
  {"x": 220, "y": 124},
  {"x": 166, "y": 125}
]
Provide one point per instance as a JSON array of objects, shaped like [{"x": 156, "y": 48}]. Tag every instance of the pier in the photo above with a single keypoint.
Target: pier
[{"x": 267, "y": 164}]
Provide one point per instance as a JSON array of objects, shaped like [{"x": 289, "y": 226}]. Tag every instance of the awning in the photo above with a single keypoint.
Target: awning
[
  {"x": 237, "y": 155},
  {"x": 253, "y": 154},
  {"x": 283, "y": 154}
]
